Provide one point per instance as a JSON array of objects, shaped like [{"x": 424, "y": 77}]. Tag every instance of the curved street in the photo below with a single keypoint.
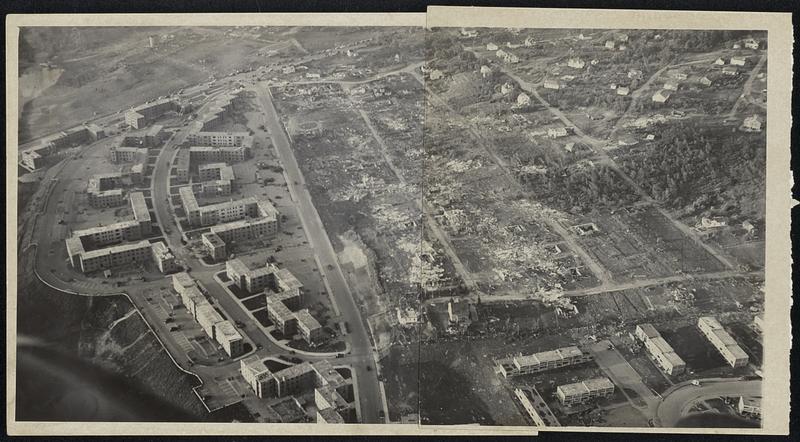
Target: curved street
[{"x": 678, "y": 400}]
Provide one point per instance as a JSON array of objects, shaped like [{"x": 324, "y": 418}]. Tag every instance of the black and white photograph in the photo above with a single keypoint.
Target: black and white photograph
[{"x": 532, "y": 228}]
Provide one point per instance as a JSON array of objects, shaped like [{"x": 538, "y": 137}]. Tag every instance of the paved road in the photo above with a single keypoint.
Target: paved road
[
  {"x": 679, "y": 399},
  {"x": 624, "y": 375},
  {"x": 204, "y": 274},
  {"x": 616, "y": 287},
  {"x": 361, "y": 347}
]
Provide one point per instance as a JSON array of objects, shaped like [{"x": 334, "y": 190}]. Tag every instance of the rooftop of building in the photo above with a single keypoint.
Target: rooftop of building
[
  {"x": 294, "y": 371},
  {"x": 649, "y": 330},
  {"x": 116, "y": 249},
  {"x": 228, "y": 204},
  {"x": 74, "y": 245},
  {"x": 152, "y": 104},
  {"x": 233, "y": 225},
  {"x": 279, "y": 309},
  {"x": 228, "y": 331},
  {"x": 161, "y": 250},
  {"x": 213, "y": 239},
  {"x": 331, "y": 416},
  {"x": 548, "y": 356},
  {"x": 188, "y": 199},
  {"x": 586, "y": 386},
  {"x": 305, "y": 318},
  {"x": 254, "y": 364},
  {"x": 183, "y": 279},
  {"x": 267, "y": 210},
  {"x": 207, "y": 313},
  {"x": 237, "y": 265},
  {"x": 100, "y": 229},
  {"x": 709, "y": 321},
  {"x": 139, "y": 206},
  {"x": 286, "y": 280},
  {"x": 329, "y": 374},
  {"x": 208, "y": 166}
]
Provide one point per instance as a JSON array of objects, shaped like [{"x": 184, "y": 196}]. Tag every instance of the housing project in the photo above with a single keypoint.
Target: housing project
[{"x": 246, "y": 224}]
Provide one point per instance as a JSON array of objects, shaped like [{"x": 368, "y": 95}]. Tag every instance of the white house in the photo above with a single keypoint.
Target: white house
[
  {"x": 661, "y": 96},
  {"x": 557, "y": 132},
  {"x": 752, "y": 124},
  {"x": 730, "y": 71},
  {"x": 523, "y": 99},
  {"x": 738, "y": 61},
  {"x": 623, "y": 91},
  {"x": 552, "y": 84},
  {"x": 576, "y": 63}
]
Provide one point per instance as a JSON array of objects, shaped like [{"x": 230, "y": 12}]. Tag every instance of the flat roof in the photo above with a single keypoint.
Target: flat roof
[
  {"x": 194, "y": 294},
  {"x": 212, "y": 166},
  {"x": 161, "y": 250},
  {"x": 237, "y": 266},
  {"x": 183, "y": 279},
  {"x": 295, "y": 370},
  {"x": 206, "y": 311},
  {"x": 227, "y": 204},
  {"x": 101, "y": 229},
  {"x": 279, "y": 309},
  {"x": 586, "y": 386},
  {"x": 649, "y": 330},
  {"x": 710, "y": 321},
  {"x": 267, "y": 209},
  {"x": 547, "y": 356},
  {"x": 214, "y": 239},
  {"x": 116, "y": 249},
  {"x": 255, "y": 364},
  {"x": 307, "y": 320},
  {"x": 573, "y": 389},
  {"x": 238, "y": 224},
  {"x": 598, "y": 383},
  {"x": 152, "y": 104},
  {"x": 182, "y": 159},
  {"x": 139, "y": 206},
  {"x": 286, "y": 280},
  {"x": 328, "y": 373},
  {"x": 74, "y": 245},
  {"x": 331, "y": 416},
  {"x": 187, "y": 198},
  {"x": 227, "y": 331}
]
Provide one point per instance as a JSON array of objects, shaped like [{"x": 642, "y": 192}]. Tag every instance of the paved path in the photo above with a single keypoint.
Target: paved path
[
  {"x": 361, "y": 347},
  {"x": 624, "y": 375}
]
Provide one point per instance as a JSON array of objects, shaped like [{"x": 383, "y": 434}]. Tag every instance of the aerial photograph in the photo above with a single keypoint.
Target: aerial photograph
[{"x": 391, "y": 225}]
